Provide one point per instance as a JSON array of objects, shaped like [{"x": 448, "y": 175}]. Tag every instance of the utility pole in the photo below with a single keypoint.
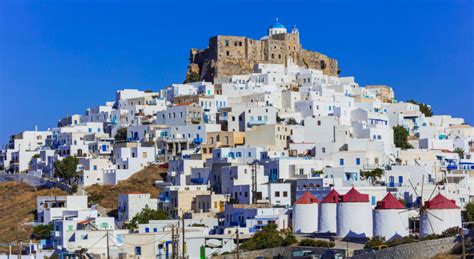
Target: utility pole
[
  {"x": 108, "y": 252},
  {"x": 254, "y": 183},
  {"x": 20, "y": 247},
  {"x": 237, "y": 237},
  {"x": 183, "y": 240},
  {"x": 173, "y": 248},
  {"x": 463, "y": 245}
]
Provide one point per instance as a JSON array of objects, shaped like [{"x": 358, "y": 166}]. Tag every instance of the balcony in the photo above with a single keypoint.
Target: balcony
[{"x": 256, "y": 123}]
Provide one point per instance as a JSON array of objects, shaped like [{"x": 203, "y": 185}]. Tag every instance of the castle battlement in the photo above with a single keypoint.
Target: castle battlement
[{"x": 237, "y": 55}]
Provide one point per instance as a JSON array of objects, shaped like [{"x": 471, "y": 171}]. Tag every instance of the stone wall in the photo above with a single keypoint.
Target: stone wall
[
  {"x": 285, "y": 252},
  {"x": 418, "y": 250},
  {"x": 236, "y": 55}
]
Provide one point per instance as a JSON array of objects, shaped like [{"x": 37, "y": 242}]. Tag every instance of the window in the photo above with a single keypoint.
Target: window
[
  {"x": 341, "y": 161},
  {"x": 285, "y": 194},
  {"x": 376, "y": 160},
  {"x": 155, "y": 230},
  {"x": 138, "y": 250},
  {"x": 277, "y": 194},
  {"x": 227, "y": 43},
  {"x": 147, "y": 230},
  {"x": 227, "y": 53},
  {"x": 323, "y": 150},
  {"x": 319, "y": 123},
  {"x": 357, "y": 161},
  {"x": 95, "y": 168}
]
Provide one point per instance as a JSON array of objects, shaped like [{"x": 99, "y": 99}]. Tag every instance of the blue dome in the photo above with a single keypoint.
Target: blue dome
[{"x": 278, "y": 25}]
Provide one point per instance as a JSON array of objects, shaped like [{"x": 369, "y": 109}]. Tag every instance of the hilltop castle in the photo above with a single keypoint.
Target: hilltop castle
[{"x": 234, "y": 55}]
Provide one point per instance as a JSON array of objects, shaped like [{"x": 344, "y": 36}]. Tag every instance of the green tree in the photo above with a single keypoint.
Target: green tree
[
  {"x": 145, "y": 216},
  {"x": 424, "y": 108},
  {"x": 42, "y": 231},
  {"x": 192, "y": 77},
  {"x": 469, "y": 213},
  {"x": 121, "y": 135},
  {"x": 372, "y": 175},
  {"x": 459, "y": 151},
  {"x": 67, "y": 169},
  {"x": 268, "y": 237},
  {"x": 400, "y": 137}
]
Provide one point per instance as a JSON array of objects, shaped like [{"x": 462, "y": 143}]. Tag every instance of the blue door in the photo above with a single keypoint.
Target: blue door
[{"x": 391, "y": 181}]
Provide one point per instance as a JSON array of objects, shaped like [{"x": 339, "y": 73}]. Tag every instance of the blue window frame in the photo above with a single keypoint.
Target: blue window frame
[
  {"x": 95, "y": 168},
  {"x": 104, "y": 148},
  {"x": 400, "y": 179},
  {"x": 341, "y": 161},
  {"x": 155, "y": 230},
  {"x": 357, "y": 161},
  {"x": 147, "y": 230},
  {"x": 373, "y": 200}
]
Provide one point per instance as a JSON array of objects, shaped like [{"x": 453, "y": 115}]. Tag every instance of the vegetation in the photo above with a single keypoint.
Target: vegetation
[
  {"x": 317, "y": 172},
  {"x": 42, "y": 231},
  {"x": 145, "y": 216},
  {"x": 17, "y": 209},
  {"x": 469, "y": 213},
  {"x": 316, "y": 243},
  {"x": 192, "y": 77},
  {"x": 459, "y": 151},
  {"x": 424, "y": 108},
  {"x": 380, "y": 243},
  {"x": 400, "y": 137},
  {"x": 372, "y": 175},
  {"x": 142, "y": 181},
  {"x": 67, "y": 169},
  {"x": 121, "y": 135},
  {"x": 289, "y": 239},
  {"x": 268, "y": 237},
  {"x": 447, "y": 233},
  {"x": 292, "y": 121}
]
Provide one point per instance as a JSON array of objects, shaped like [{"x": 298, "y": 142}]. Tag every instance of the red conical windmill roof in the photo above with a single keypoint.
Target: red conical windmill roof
[
  {"x": 307, "y": 198},
  {"x": 331, "y": 197},
  {"x": 354, "y": 196},
  {"x": 389, "y": 202},
  {"x": 441, "y": 202}
]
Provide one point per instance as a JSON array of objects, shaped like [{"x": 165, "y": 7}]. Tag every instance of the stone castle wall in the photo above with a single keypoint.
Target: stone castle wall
[{"x": 236, "y": 55}]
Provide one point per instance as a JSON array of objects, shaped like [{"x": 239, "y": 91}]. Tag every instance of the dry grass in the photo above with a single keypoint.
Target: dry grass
[
  {"x": 17, "y": 208},
  {"x": 143, "y": 181}
]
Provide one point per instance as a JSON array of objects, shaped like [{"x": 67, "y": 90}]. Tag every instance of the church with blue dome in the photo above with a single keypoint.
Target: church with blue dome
[{"x": 276, "y": 28}]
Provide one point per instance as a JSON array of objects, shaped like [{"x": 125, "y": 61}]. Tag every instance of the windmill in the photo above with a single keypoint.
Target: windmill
[{"x": 420, "y": 206}]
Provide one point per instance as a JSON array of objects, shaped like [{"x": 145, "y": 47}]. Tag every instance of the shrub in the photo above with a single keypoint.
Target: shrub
[
  {"x": 375, "y": 243},
  {"x": 316, "y": 243},
  {"x": 42, "y": 231},
  {"x": 74, "y": 188},
  {"x": 289, "y": 239},
  {"x": 145, "y": 216},
  {"x": 268, "y": 237}
]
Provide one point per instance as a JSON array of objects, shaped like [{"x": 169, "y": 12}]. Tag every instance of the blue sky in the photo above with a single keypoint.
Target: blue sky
[{"x": 60, "y": 57}]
